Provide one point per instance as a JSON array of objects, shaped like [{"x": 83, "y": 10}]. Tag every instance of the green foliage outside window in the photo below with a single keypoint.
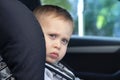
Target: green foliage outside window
[{"x": 101, "y": 17}]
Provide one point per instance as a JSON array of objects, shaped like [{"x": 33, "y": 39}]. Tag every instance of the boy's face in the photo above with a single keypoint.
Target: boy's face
[{"x": 57, "y": 33}]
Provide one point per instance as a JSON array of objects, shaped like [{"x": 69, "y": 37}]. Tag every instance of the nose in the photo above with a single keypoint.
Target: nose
[{"x": 57, "y": 45}]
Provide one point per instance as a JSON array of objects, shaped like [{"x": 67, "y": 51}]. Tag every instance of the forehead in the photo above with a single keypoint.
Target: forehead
[
  {"x": 57, "y": 25},
  {"x": 59, "y": 22},
  {"x": 53, "y": 18},
  {"x": 55, "y": 15}
]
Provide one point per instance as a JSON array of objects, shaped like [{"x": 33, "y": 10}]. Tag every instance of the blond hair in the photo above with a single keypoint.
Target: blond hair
[{"x": 53, "y": 10}]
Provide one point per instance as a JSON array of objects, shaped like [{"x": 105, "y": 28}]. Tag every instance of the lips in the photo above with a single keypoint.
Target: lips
[{"x": 54, "y": 55}]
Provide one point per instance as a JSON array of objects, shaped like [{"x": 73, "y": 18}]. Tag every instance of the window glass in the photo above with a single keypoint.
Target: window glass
[
  {"x": 92, "y": 17},
  {"x": 101, "y": 18}
]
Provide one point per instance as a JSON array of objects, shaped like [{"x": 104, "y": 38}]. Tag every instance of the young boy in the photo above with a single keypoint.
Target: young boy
[{"x": 57, "y": 26}]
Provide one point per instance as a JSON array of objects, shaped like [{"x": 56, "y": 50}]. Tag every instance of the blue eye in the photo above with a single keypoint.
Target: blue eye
[
  {"x": 65, "y": 41},
  {"x": 52, "y": 36}
]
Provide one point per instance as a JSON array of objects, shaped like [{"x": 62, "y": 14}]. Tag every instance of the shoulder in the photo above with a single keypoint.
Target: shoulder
[
  {"x": 48, "y": 74},
  {"x": 5, "y": 73},
  {"x": 61, "y": 70}
]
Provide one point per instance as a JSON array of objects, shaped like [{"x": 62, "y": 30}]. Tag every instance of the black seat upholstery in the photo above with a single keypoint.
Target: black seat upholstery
[
  {"x": 22, "y": 44},
  {"x": 31, "y": 4},
  {"x": 98, "y": 76}
]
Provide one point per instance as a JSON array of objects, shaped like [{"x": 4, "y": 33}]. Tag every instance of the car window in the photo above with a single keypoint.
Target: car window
[{"x": 92, "y": 17}]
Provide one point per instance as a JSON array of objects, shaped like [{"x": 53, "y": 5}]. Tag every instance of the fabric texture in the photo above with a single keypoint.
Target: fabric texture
[
  {"x": 5, "y": 73},
  {"x": 58, "y": 72},
  {"x": 31, "y": 4},
  {"x": 22, "y": 44}
]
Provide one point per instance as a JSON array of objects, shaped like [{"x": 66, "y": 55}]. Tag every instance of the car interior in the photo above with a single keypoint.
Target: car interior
[
  {"x": 91, "y": 58},
  {"x": 94, "y": 59}
]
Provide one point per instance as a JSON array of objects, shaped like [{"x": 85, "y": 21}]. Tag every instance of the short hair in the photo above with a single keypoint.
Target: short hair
[{"x": 53, "y": 10}]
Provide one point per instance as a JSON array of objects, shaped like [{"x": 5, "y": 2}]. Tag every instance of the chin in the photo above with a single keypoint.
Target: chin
[{"x": 52, "y": 61}]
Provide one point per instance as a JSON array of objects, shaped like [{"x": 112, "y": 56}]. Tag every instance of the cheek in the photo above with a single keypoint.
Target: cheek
[
  {"x": 47, "y": 43},
  {"x": 47, "y": 40},
  {"x": 63, "y": 52}
]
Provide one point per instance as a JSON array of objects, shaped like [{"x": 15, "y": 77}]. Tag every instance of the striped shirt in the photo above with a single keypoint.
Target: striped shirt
[
  {"x": 58, "y": 72},
  {"x": 5, "y": 73}
]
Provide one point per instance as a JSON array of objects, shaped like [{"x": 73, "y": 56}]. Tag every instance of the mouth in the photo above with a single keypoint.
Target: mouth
[{"x": 54, "y": 55}]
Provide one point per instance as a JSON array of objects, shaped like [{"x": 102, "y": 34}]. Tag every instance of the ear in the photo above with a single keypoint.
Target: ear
[{"x": 22, "y": 44}]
